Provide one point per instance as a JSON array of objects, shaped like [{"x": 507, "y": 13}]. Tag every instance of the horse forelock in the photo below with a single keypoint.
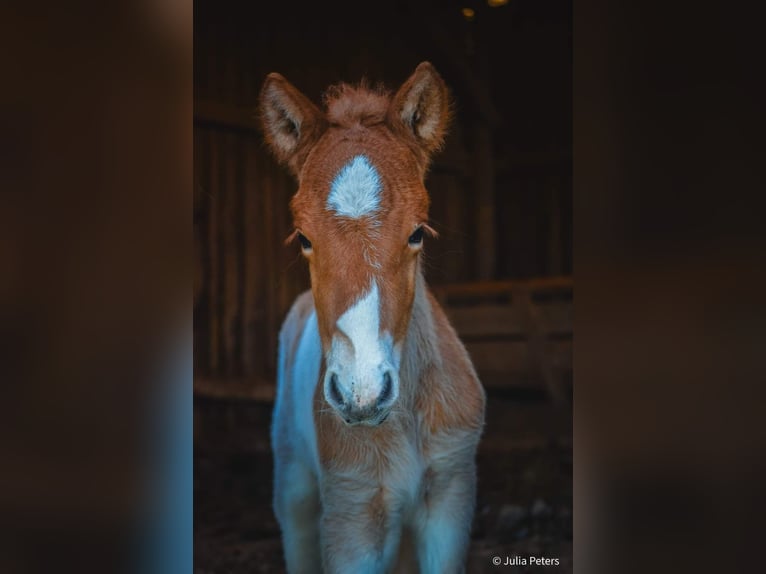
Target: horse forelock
[{"x": 352, "y": 105}]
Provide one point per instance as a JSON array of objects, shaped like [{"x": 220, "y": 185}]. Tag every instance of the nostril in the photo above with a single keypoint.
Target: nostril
[
  {"x": 335, "y": 390},
  {"x": 388, "y": 388}
]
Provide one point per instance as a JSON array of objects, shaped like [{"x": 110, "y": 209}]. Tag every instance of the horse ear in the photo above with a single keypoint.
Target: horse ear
[
  {"x": 290, "y": 121},
  {"x": 422, "y": 107}
]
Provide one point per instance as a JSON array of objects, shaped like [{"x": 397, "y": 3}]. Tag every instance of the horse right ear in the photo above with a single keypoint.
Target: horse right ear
[
  {"x": 421, "y": 108},
  {"x": 290, "y": 121}
]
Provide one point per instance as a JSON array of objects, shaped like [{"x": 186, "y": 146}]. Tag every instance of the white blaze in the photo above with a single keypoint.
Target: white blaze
[
  {"x": 362, "y": 356},
  {"x": 355, "y": 191}
]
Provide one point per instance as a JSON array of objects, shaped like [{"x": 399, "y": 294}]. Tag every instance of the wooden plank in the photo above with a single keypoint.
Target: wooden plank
[
  {"x": 555, "y": 317},
  {"x": 455, "y": 242},
  {"x": 484, "y": 191},
  {"x": 229, "y": 230},
  {"x": 509, "y": 320},
  {"x": 492, "y": 288},
  {"x": 486, "y": 321},
  {"x": 439, "y": 260},
  {"x": 541, "y": 354},
  {"x": 284, "y": 226},
  {"x": 239, "y": 181},
  {"x": 513, "y": 426},
  {"x": 253, "y": 242},
  {"x": 269, "y": 181},
  {"x": 511, "y": 357}
]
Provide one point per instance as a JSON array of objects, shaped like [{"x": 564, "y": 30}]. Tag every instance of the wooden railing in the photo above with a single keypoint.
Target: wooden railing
[{"x": 518, "y": 333}]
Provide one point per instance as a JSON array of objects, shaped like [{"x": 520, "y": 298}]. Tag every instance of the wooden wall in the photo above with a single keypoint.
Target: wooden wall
[{"x": 246, "y": 278}]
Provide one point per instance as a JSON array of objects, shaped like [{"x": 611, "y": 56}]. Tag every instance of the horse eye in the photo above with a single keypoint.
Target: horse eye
[
  {"x": 305, "y": 243},
  {"x": 417, "y": 237}
]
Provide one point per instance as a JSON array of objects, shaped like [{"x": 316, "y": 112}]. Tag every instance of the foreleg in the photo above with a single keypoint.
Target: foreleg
[
  {"x": 443, "y": 531},
  {"x": 359, "y": 532},
  {"x": 296, "y": 505}
]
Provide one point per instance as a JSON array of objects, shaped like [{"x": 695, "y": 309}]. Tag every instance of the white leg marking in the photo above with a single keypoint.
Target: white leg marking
[
  {"x": 297, "y": 507},
  {"x": 296, "y": 459},
  {"x": 308, "y": 362},
  {"x": 444, "y": 528}
]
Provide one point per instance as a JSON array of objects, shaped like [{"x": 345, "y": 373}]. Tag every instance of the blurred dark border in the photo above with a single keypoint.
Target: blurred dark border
[
  {"x": 95, "y": 286},
  {"x": 96, "y": 217},
  {"x": 669, "y": 260}
]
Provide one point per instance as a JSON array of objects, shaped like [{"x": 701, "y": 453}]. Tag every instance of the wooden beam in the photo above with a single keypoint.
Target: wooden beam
[
  {"x": 493, "y": 320},
  {"x": 484, "y": 193},
  {"x": 509, "y": 364},
  {"x": 547, "y": 360},
  {"x": 492, "y": 288},
  {"x": 510, "y": 341}
]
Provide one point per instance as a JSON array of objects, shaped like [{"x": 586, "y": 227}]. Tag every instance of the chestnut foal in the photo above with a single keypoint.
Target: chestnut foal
[{"x": 379, "y": 410}]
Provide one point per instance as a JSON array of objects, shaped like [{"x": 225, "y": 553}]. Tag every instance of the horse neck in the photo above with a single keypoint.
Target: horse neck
[{"x": 421, "y": 345}]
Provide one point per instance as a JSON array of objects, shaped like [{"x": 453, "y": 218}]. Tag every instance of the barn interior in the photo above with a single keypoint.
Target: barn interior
[{"x": 501, "y": 193}]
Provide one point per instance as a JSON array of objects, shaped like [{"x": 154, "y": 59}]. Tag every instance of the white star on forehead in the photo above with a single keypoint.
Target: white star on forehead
[{"x": 355, "y": 191}]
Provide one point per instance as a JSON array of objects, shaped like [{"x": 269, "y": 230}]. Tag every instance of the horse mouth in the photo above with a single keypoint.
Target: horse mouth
[{"x": 370, "y": 422}]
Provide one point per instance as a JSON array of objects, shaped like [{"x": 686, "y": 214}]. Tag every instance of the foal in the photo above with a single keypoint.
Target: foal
[{"x": 378, "y": 410}]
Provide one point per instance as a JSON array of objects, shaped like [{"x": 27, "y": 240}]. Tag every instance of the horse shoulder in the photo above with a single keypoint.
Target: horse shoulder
[
  {"x": 294, "y": 324},
  {"x": 452, "y": 397},
  {"x": 291, "y": 335}
]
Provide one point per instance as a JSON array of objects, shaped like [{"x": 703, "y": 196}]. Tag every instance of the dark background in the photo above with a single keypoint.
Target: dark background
[
  {"x": 501, "y": 201},
  {"x": 501, "y": 189},
  {"x": 95, "y": 161}
]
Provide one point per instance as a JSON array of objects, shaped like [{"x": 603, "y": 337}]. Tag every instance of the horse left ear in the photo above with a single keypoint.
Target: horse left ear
[
  {"x": 422, "y": 107},
  {"x": 290, "y": 121}
]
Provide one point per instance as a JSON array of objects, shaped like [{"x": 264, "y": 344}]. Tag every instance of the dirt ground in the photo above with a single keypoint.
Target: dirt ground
[{"x": 524, "y": 502}]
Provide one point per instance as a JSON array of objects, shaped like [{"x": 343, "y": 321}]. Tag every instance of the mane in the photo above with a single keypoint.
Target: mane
[{"x": 356, "y": 105}]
